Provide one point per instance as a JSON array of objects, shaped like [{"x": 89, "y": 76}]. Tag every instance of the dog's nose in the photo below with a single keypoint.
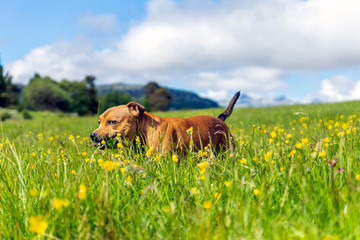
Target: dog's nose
[{"x": 93, "y": 136}]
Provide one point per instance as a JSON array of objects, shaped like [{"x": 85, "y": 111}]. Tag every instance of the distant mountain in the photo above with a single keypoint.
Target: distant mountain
[
  {"x": 181, "y": 99},
  {"x": 249, "y": 101}
]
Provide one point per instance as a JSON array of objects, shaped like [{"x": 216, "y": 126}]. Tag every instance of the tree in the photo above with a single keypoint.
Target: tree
[
  {"x": 3, "y": 88},
  {"x": 93, "y": 105},
  {"x": 112, "y": 99},
  {"x": 158, "y": 98},
  {"x": 43, "y": 93},
  {"x": 79, "y": 99}
]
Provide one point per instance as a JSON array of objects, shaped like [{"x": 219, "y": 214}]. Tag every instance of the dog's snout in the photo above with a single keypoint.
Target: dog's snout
[{"x": 93, "y": 136}]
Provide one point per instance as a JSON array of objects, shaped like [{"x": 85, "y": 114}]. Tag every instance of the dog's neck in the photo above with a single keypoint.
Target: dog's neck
[{"x": 148, "y": 125}]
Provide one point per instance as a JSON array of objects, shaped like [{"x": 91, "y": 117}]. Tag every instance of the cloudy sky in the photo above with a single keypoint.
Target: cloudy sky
[{"x": 303, "y": 50}]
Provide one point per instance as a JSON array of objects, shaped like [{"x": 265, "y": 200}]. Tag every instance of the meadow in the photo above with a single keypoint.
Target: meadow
[{"x": 294, "y": 175}]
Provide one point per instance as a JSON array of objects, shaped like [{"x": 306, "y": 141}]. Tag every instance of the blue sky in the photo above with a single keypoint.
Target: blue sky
[{"x": 305, "y": 50}]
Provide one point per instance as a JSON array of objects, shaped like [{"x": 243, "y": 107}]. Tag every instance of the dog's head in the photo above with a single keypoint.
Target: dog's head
[{"x": 117, "y": 120}]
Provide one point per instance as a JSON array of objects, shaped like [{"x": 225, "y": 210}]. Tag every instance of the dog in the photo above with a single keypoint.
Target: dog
[{"x": 176, "y": 135}]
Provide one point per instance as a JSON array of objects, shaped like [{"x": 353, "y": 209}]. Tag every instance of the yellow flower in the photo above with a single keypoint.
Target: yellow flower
[
  {"x": 148, "y": 153},
  {"x": 129, "y": 179},
  {"x": 326, "y": 140},
  {"x": 59, "y": 203},
  {"x": 217, "y": 195},
  {"x": 322, "y": 154},
  {"x": 109, "y": 166},
  {"x": 344, "y": 126},
  {"x": 83, "y": 154},
  {"x": 157, "y": 158},
  {"x": 243, "y": 161},
  {"x": 123, "y": 170},
  {"x": 267, "y": 156},
  {"x": 175, "y": 158},
  {"x": 102, "y": 142},
  {"x": 227, "y": 184},
  {"x": 357, "y": 177},
  {"x": 71, "y": 137},
  {"x": 273, "y": 134},
  {"x": 194, "y": 190},
  {"x": 271, "y": 140},
  {"x": 202, "y": 177},
  {"x": 289, "y": 135},
  {"x": 202, "y": 165},
  {"x": 38, "y": 224},
  {"x": 119, "y": 145},
  {"x": 190, "y": 130},
  {"x": 282, "y": 169},
  {"x": 33, "y": 192},
  {"x": 73, "y": 172},
  {"x": 207, "y": 204},
  {"x": 298, "y": 145},
  {"x": 33, "y": 154},
  {"x": 256, "y": 192},
  {"x": 82, "y": 191},
  {"x": 305, "y": 141},
  {"x": 255, "y": 158}
]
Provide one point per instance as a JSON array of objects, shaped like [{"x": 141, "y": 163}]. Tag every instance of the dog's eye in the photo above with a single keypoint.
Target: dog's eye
[{"x": 111, "y": 122}]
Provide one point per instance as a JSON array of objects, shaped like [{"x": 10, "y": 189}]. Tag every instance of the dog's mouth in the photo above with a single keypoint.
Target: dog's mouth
[{"x": 109, "y": 143}]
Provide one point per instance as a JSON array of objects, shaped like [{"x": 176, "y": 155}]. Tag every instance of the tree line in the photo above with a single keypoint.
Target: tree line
[{"x": 81, "y": 97}]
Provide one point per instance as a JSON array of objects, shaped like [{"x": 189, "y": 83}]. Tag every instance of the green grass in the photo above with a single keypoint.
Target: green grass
[{"x": 266, "y": 189}]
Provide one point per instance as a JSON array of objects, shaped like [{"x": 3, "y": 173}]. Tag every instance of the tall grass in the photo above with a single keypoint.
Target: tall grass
[{"x": 280, "y": 182}]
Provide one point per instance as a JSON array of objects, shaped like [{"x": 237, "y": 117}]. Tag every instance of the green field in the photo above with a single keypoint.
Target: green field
[{"x": 278, "y": 184}]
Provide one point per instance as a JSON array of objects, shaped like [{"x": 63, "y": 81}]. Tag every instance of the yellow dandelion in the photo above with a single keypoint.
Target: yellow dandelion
[
  {"x": 82, "y": 191},
  {"x": 271, "y": 140},
  {"x": 194, "y": 190},
  {"x": 202, "y": 177},
  {"x": 83, "y": 154},
  {"x": 109, "y": 166},
  {"x": 207, "y": 204},
  {"x": 217, "y": 195},
  {"x": 33, "y": 192},
  {"x": 273, "y": 134},
  {"x": 73, "y": 172},
  {"x": 37, "y": 224},
  {"x": 102, "y": 142},
  {"x": 256, "y": 192},
  {"x": 305, "y": 141},
  {"x": 298, "y": 145},
  {"x": 357, "y": 177},
  {"x": 227, "y": 184},
  {"x": 71, "y": 137},
  {"x": 129, "y": 179},
  {"x": 243, "y": 161},
  {"x": 292, "y": 153},
  {"x": 282, "y": 169},
  {"x": 33, "y": 154},
  {"x": 202, "y": 165},
  {"x": 255, "y": 158},
  {"x": 175, "y": 158},
  {"x": 322, "y": 154},
  {"x": 123, "y": 170},
  {"x": 157, "y": 158},
  {"x": 58, "y": 203},
  {"x": 289, "y": 135}
]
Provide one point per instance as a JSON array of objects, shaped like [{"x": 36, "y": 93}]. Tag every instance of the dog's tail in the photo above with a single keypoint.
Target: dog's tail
[{"x": 229, "y": 108}]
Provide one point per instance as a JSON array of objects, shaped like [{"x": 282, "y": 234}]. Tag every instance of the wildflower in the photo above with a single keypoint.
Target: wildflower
[
  {"x": 129, "y": 179},
  {"x": 326, "y": 140},
  {"x": 217, "y": 195},
  {"x": 243, "y": 161},
  {"x": 202, "y": 177},
  {"x": 83, "y": 154},
  {"x": 344, "y": 126},
  {"x": 190, "y": 130},
  {"x": 194, "y": 190},
  {"x": 256, "y": 192},
  {"x": 38, "y": 224},
  {"x": 298, "y": 145},
  {"x": 157, "y": 158},
  {"x": 175, "y": 158},
  {"x": 109, "y": 166},
  {"x": 59, "y": 203},
  {"x": 292, "y": 153},
  {"x": 207, "y": 204},
  {"x": 202, "y": 165},
  {"x": 282, "y": 169},
  {"x": 123, "y": 170},
  {"x": 82, "y": 191},
  {"x": 340, "y": 170},
  {"x": 87, "y": 159},
  {"x": 227, "y": 184},
  {"x": 322, "y": 154},
  {"x": 33, "y": 154},
  {"x": 148, "y": 153},
  {"x": 332, "y": 164},
  {"x": 33, "y": 192},
  {"x": 255, "y": 158},
  {"x": 73, "y": 172},
  {"x": 137, "y": 139},
  {"x": 357, "y": 177},
  {"x": 271, "y": 140},
  {"x": 273, "y": 134},
  {"x": 71, "y": 137},
  {"x": 102, "y": 142},
  {"x": 267, "y": 156},
  {"x": 305, "y": 141},
  {"x": 289, "y": 135},
  {"x": 118, "y": 135},
  {"x": 119, "y": 145}
]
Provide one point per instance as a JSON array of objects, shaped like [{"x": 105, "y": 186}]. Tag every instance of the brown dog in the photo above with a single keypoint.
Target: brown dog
[{"x": 174, "y": 134}]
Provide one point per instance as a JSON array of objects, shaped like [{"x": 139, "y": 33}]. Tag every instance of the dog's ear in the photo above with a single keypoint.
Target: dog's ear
[{"x": 136, "y": 109}]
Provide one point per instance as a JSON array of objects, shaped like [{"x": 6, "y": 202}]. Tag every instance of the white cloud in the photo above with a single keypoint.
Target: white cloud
[
  {"x": 336, "y": 89},
  {"x": 224, "y": 46}
]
